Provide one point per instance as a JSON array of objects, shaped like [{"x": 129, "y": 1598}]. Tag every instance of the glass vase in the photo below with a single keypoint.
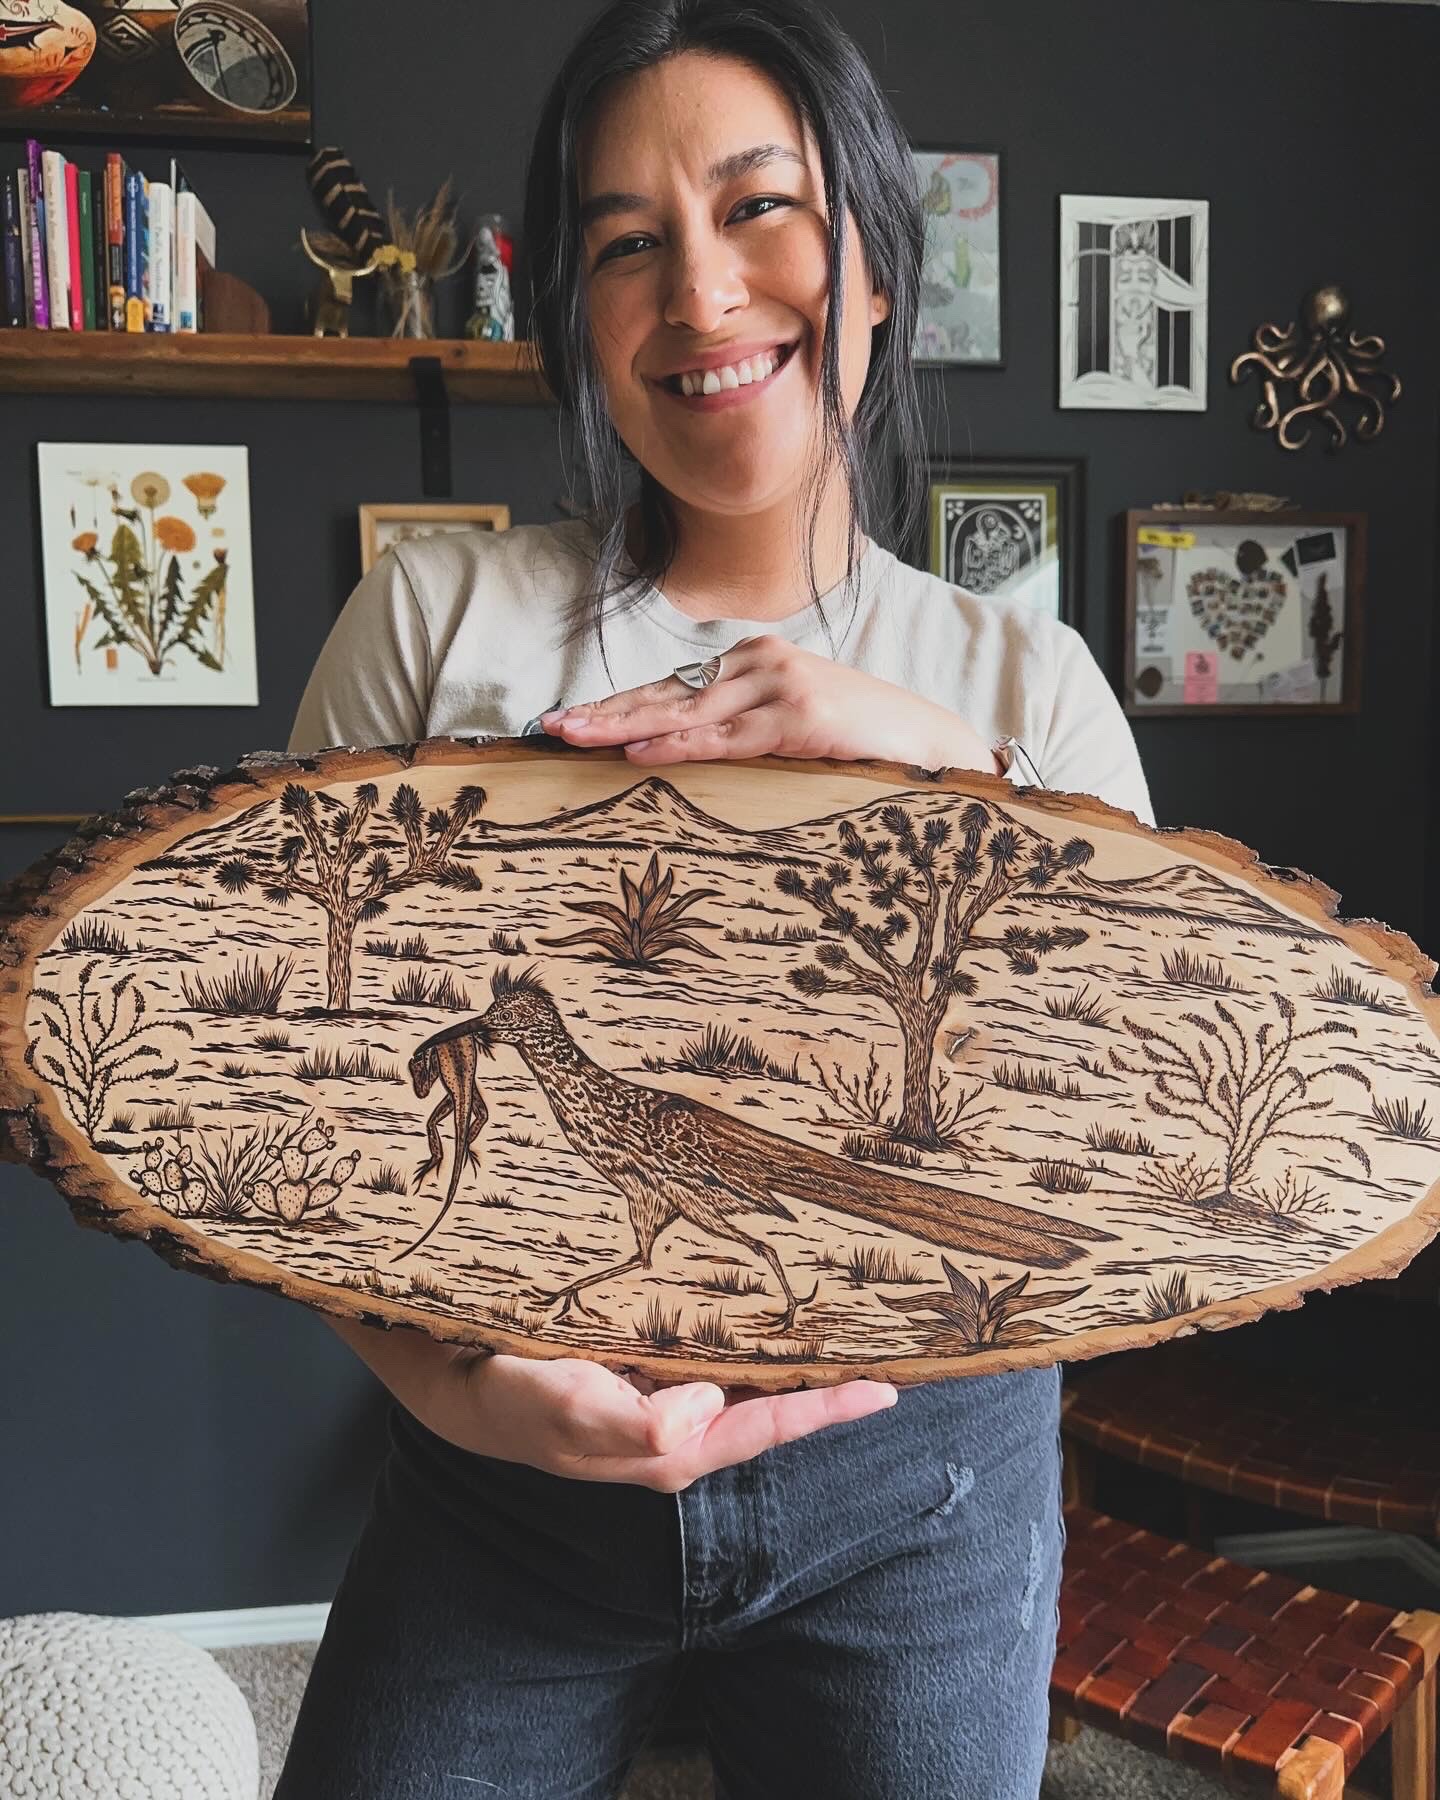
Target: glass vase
[{"x": 410, "y": 304}]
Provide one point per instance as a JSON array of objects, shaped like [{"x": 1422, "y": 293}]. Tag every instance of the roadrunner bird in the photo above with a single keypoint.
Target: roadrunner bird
[{"x": 676, "y": 1158}]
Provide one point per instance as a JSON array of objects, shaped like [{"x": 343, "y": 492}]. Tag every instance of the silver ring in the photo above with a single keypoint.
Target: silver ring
[{"x": 699, "y": 674}]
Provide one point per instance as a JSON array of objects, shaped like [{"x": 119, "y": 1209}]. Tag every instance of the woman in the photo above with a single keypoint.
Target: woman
[{"x": 726, "y": 245}]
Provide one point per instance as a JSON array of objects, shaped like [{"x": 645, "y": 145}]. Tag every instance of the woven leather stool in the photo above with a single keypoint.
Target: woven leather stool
[
  {"x": 1261, "y": 1681},
  {"x": 1356, "y": 1451}
]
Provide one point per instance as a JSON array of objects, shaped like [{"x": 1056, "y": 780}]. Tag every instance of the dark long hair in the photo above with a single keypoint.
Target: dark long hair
[{"x": 868, "y": 173}]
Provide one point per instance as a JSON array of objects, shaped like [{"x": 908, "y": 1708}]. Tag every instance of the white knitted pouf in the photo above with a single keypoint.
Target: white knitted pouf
[{"x": 93, "y": 1706}]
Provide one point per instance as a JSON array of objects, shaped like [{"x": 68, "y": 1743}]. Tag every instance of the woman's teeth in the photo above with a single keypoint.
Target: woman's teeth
[{"x": 733, "y": 375}]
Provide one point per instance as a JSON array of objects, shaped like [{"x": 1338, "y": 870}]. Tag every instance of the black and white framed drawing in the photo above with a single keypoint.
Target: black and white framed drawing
[
  {"x": 1009, "y": 528},
  {"x": 1134, "y": 303},
  {"x": 961, "y": 286}
]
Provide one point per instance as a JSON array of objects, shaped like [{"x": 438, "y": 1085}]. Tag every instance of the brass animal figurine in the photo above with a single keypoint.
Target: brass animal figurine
[{"x": 330, "y": 301}]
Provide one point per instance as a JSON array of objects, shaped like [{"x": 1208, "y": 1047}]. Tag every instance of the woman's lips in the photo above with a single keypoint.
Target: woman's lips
[{"x": 736, "y": 396}]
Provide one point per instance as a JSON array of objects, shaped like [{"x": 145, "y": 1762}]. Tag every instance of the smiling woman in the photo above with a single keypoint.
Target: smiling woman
[{"x": 725, "y": 243}]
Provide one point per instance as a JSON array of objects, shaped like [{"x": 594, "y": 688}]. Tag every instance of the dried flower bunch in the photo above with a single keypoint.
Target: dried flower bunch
[{"x": 426, "y": 241}]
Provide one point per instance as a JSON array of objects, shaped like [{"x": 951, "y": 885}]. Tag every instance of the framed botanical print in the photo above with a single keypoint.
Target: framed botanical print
[
  {"x": 384, "y": 524},
  {"x": 1009, "y": 528},
  {"x": 961, "y": 286},
  {"x": 149, "y": 584},
  {"x": 1230, "y": 612},
  {"x": 1134, "y": 303}
]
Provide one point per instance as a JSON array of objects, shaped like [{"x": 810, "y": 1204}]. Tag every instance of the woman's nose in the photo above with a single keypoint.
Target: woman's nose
[{"x": 705, "y": 283}]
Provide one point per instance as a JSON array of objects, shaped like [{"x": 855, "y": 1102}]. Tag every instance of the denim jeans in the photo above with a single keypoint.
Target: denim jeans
[{"x": 868, "y": 1613}]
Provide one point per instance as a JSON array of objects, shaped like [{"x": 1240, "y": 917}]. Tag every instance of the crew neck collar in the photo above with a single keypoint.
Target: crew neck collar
[{"x": 803, "y": 627}]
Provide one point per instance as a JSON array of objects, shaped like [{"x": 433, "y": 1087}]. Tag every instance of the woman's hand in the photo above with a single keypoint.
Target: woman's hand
[
  {"x": 775, "y": 699},
  {"x": 574, "y": 1418}
]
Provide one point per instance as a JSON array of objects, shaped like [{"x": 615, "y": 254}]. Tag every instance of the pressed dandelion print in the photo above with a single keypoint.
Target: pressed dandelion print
[{"x": 148, "y": 593}]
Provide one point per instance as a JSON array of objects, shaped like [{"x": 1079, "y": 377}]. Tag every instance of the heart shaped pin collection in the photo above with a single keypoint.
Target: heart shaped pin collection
[{"x": 1235, "y": 612}]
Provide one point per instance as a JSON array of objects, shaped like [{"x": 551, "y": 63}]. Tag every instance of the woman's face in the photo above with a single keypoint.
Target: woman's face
[{"x": 703, "y": 211}]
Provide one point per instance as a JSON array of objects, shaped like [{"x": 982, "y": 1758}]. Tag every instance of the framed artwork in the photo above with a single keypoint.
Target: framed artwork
[
  {"x": 961, "y": 282},
  {"x": 382, "y": 525},
  {"x": 1134, "y": 303},
  {"x": 235, "y": 70},
  {"x": 1235, "y": 612},
  {"x": 149, "y": 597},
  {"x": 1011, "y": 528}
]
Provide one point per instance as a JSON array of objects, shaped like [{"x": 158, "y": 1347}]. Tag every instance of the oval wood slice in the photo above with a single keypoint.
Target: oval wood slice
[{"x": 772, "y": 1073}]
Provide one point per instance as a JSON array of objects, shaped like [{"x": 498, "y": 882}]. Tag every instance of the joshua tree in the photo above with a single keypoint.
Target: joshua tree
[
  {"x": 93, "y": 1044},
  {"x": 333, "y": 843},
  {"x": 918, "y": 881},
  {"x": 1240, "y": 1090}
]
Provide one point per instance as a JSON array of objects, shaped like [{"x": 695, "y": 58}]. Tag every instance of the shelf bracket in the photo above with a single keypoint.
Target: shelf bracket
[{"x": 433, "y": 400}]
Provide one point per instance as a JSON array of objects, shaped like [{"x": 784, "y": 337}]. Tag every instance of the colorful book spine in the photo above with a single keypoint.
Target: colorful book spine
[
  {"x": 84, "y": 194},
  {"x": 74, "y": 248},
  {"x": 14, "y": 313},
  {"x": 27, "y": 232},
  {"x": 98, "y": 284},
  {"x": 146, "y": 292},
  {"x": 39, "y": 269},
  {"x": 162, "y": 250},
  {"x": 57, "y": 238},
  {"x": 115, "y": 173},
  {"x": 134, "y": 251}
]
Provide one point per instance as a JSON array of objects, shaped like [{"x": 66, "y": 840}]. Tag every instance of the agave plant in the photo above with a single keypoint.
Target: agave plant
[
  {"x": 975, "y": 1319},
  {"x": 645, "y": 928}
]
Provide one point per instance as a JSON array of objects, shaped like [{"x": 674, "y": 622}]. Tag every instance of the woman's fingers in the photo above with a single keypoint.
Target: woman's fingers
[
  {"x": 743, "y": 1430},
  {"x": 758, "y": 732},
  {"x": 658, "y": 709},
  {"x": 587, "y": 1411}
]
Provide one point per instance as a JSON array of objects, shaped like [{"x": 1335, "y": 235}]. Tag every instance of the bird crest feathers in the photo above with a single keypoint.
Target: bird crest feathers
[{"x": 504, "y": 983}]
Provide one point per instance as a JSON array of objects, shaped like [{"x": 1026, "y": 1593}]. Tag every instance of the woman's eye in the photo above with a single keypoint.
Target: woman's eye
[
  {"x": 624, "y": 247},
  {"x": 618, "y": 247},
  {"x": 761, "y": 200}
]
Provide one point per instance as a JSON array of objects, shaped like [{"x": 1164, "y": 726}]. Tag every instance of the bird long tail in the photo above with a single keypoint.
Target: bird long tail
[{"x": 940, "y": 1215}]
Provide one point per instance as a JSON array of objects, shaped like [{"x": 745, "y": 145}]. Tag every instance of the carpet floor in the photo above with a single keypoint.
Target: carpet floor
[{"x": 1093, "y": 1767}]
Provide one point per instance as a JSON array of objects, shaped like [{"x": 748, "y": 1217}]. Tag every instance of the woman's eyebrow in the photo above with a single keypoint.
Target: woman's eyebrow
[{"x": 729, "y": 168}]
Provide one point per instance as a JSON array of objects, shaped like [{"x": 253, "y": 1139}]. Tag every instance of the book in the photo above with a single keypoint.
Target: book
[
  {"x": 161, "y": 202},
  {"x": 115, "y": 173},
  {"x": 39, "y": 265},
  {"x": 145, "y": 296},
  {"x": 99, "y": 284},
  {"x": 74, "y": 250},
  {"x": 205, "y": 258},
  {"x": 14, "y": 268},
  {"x": 57, "y": 238},
  {"x": 27, "y": 233},
  {"x": 84, "y": 193},
  {"x": 194, "y": 253},
  {"x": 134, "y": 251}
]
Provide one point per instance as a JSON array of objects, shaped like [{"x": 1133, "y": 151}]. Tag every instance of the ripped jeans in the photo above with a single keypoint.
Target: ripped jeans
[{"x": 867, "y": 1613}]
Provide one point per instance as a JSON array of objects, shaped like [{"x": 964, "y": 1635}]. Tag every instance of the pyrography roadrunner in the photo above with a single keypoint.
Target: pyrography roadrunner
[{"x": 676, "y": 1158}]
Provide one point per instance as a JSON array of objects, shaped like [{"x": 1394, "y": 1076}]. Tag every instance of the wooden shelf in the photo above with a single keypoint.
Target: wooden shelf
[{"x": 216, "y": 365}]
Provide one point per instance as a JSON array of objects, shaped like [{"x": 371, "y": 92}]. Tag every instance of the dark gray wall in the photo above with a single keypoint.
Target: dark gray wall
[{"x": 169, "y": 1443}]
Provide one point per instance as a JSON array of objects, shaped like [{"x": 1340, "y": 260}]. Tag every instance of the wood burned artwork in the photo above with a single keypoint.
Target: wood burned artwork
[{"x": 773, "y": 1073}]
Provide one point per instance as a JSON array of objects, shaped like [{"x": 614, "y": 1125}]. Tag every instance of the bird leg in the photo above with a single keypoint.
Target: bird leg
[
  {"x": 785, "y": 1318},
  {"x": 568, "y": 1294}
]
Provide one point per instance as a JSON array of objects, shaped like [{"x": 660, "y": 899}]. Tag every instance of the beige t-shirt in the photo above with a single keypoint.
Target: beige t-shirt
[{"x": 467, "y": 633}]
